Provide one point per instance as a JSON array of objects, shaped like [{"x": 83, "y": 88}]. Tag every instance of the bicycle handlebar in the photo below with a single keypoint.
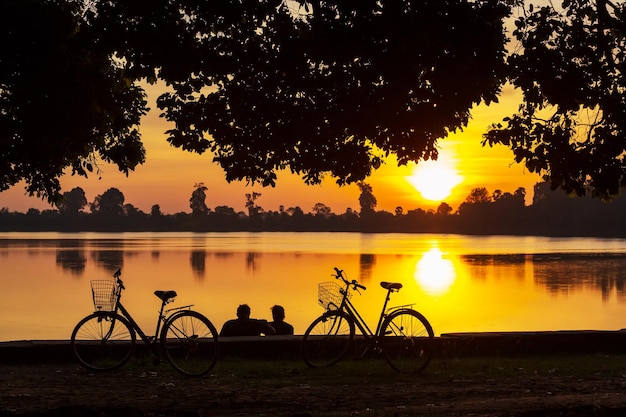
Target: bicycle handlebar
[{"x": 355, "y": 285}]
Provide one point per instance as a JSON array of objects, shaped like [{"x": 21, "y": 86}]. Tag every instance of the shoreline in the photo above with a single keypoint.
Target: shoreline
[{"x": 448, "y": 345}]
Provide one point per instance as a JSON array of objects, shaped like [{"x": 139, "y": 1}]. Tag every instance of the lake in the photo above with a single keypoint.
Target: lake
[{"x": 460, "y": 283}]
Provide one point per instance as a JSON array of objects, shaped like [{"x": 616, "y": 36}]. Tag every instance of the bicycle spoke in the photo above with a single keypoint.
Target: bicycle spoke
[
  {"x": 407, "y": 341},
  {"x": 102, "y": 341},
  {"x": 327, "y": 339},
  {"x": 189, "y": 341}
]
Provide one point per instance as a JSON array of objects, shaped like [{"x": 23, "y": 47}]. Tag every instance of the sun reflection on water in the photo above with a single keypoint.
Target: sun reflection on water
[{"x": 435, "y": 274}]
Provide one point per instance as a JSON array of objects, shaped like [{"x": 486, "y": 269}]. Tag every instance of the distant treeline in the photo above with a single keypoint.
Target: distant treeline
[{"x": 552, "y": 213}]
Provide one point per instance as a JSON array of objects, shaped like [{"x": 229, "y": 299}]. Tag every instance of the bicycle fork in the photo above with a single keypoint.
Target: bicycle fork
[{"x": 107, "y": 336}]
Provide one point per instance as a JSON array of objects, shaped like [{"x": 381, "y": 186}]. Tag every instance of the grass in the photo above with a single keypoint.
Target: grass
[
  {"x": 275, "y": 374},
  {"x": 581, "y": 366},
  {"x": 278, "y": 372},
  {"x": 493, "y": 374}
]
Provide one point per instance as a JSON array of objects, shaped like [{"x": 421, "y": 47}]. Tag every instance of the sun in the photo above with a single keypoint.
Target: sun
[{"x": 434, "y": 180}]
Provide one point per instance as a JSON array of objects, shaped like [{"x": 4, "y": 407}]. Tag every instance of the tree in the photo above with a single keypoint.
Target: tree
[
  {"x": 332, "y": 88},
  {"x": 197, "y": 200},
  {"x": 251, "y": 205},
  {"x": 313, "y": 86},
  {"x": 475, "y": 206},
  {"x": 131, "y": 210},
  {"x": 570, "y": 67},
  {"x": 295, "y": 212},
  {"x": 367, "y": 200},
  {"x": 155, "y": 211},
  {"x": 73, "y": 202},
  {"x": 321, "y": 209},
  {"x": 65, "y": 100},
  {"x": 508, "y": 205},
  {"x": 444, "y": 209},
  {"x": 225, "y": 211},
  {"x": 111, "y": 203},
  {"x": 505, "y": 197},
  {"x": 335, "y": 87},
  {"x": 478, "y": 195}
]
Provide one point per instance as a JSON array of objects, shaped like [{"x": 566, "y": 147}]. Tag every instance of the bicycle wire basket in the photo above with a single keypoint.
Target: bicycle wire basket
[
  {"x": 104, "y": 294},
  {"x": 329, "y": 295}
]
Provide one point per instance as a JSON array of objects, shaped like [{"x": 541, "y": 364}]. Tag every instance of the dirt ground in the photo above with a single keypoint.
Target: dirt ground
[{"x": 68, "y": 390}]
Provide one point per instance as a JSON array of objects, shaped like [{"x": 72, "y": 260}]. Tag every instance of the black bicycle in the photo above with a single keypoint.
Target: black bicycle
[
  {"x": 402, "y": 335},
  {"x": 106, "y": 339}
]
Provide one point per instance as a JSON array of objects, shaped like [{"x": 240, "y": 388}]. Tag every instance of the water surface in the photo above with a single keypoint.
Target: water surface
[{"x": 460, "y": 283}]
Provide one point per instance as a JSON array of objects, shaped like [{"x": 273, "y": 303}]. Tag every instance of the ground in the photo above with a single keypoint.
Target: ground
[{"x": 576, "y": 386}]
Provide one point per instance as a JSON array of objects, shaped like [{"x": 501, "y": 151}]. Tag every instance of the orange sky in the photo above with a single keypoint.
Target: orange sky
[{"x": 169, "y": 175}]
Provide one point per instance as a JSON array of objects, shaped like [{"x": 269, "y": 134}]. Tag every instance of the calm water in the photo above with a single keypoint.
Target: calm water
[{"x": 460, "y": 283}]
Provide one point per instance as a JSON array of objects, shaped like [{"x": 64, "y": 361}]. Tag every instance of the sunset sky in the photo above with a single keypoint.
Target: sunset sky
[{"x": 169, "y": 174}]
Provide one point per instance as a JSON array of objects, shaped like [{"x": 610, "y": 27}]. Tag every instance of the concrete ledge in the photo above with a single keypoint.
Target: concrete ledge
[
  {"x": 261, "y": 347},
  {"x": 448, "y": 345},
  {"x": 57, "y": 351},
  {"x": 35, "y": 351},
  {"x": 533, "y": 343}
]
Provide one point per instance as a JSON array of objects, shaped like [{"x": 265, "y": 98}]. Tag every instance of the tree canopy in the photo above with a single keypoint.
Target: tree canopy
[
  {"x": 315, "y": 87},
  {"x": 571, "y": 125},
  {"x": 64, "y": 102}
]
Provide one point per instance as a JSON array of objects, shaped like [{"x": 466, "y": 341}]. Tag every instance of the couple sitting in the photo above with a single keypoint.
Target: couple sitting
[{"x": 243, "y": 325}]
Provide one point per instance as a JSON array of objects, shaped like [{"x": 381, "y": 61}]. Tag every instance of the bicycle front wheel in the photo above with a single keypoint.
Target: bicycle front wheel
[
  {"x": 189, "y": 341},
  {"x": 407, "y": 341},
  {"x": 103, "y": 341},
  {"x": 327, "y": 339}
]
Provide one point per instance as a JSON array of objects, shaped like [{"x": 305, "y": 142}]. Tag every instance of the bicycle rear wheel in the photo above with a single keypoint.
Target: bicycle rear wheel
[
  {"x": 103, "y": 341},
  {"x": 407, "y": 341},
  {"x": 189, "y": 341},
  {"x": 327, "y": 339}
]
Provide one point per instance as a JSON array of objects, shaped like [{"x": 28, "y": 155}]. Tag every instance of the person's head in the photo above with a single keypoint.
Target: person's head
[
  {"x": 278, "y": 313},
  {"x": 243, "y": 311}
]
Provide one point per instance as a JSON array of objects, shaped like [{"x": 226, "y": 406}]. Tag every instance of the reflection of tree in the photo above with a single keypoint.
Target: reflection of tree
[
  {"x": 563, "y": 274},
  {"x": 198, "y": 263},
  {"x": 111, "y": 260},
  {"x": 251, "y": 260},
  {"x": 366, "y": 263},
  {"x": 500, "y": 266},
  {"x": 71, "y": 256}
]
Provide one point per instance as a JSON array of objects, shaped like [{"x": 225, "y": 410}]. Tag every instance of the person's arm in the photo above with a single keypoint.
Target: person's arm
[{"x": 266, "y": 328}]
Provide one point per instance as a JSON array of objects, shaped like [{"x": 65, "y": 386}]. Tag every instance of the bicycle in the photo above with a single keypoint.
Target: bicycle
[
  {"x": 402, "y": 335},
  {"x": 106, "y": 339}
]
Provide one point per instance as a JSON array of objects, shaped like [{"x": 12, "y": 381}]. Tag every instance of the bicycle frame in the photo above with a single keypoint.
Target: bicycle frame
[
  {"x": 402, "y": 335},
  {"x": 164, "y": 315},
  {"x": 348, "y": 307}
]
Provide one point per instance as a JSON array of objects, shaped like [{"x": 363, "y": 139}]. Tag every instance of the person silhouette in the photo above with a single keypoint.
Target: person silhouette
[
  {"x": 243, "y": 325},
  {"x": 279, "y": 324}
]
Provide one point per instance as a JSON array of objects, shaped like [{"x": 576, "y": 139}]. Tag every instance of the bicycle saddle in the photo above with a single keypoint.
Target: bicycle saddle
[
  {"x": 391, "y": 285},
  {"x": 165, "y": 295}
]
